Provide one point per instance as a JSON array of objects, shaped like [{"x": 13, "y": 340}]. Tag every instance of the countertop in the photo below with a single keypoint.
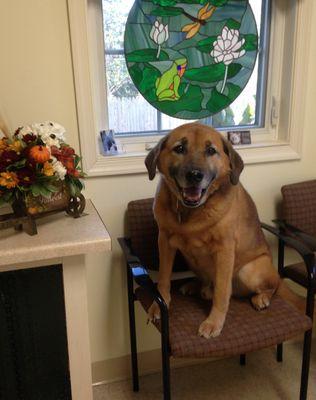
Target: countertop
[{"x": 59, "y": 235}]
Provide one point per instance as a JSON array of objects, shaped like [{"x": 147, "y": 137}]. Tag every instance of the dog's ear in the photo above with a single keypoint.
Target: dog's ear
[
  {"x": 236, "y": 162},
  {"x": 152, "y": 157}
]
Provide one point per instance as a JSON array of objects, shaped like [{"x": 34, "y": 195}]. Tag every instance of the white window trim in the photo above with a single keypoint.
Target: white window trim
[{"x": 279, "y": 143}]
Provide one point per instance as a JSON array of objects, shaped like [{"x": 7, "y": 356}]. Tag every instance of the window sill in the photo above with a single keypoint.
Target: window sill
[{"x": 133, "y": 162}]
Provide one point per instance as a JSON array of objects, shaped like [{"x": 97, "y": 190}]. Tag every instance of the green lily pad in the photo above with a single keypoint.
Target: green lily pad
[
  {"x": 189, "y": 101},
  {"x": 136, "y": 74},
  {"x": 219, "y": 101},
  {"x": 251, "y": 42},
  {"x": 149, "y": 78},
  {"x": 206, "y": 45},
  {"x": 232, "y": 24},
  {"x": 167, "y": 11},
  {"x": 145, "y": 55},
  {"x": 212, "y": 73}
]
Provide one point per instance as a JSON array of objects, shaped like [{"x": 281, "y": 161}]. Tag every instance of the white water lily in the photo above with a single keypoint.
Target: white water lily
[
  {"x": 227, "y": 48},
  {"x": 159, "y": 34}
]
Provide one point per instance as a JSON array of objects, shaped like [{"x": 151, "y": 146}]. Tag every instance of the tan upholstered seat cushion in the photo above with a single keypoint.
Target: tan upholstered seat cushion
[{"x": 245, "y": 329}]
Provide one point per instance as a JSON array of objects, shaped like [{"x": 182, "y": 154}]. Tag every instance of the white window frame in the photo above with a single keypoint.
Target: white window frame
[{"x": 280, "y": 140}]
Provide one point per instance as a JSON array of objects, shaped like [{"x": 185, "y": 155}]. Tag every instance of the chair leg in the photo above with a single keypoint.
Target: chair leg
[
  {"x": 305, "y": 364},
  {"x": 132, "y": 329},
  {"x": 165, "y": 356},
  {"x": 307, "y": 344},
  {"x": 242, "y": 359},
  {"x": 280, "y": 352}
]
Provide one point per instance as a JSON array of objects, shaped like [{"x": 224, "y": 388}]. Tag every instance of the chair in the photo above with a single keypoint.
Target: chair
[
  {"x": 245, "y": 329},
  {"x": 298, "y": 222}
]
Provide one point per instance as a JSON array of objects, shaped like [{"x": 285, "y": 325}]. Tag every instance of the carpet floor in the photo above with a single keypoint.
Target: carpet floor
[{"x": 261, "y": 379}]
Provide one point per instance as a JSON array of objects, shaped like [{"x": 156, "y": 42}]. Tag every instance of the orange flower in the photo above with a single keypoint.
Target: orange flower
[
  {"x": 16, "y": 146},
  {"x": 8, "y": 179},
  {"x": 3, "y": 144},
  {"x": 48, "y": 169},
  {"x": 203, "y": 14}
]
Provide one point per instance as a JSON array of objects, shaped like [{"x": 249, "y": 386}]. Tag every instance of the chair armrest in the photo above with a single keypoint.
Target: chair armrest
[
  {"x": 309, "y": 240},
  {"x": 140, "y": 274},
  {"x": 305, "y": 252}
]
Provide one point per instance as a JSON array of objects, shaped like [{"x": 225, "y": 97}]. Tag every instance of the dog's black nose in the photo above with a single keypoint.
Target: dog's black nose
[{"x": 194, "y": 176}]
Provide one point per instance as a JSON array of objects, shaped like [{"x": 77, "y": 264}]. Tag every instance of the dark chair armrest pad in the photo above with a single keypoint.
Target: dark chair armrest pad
[{"x": 308, "y": 239}]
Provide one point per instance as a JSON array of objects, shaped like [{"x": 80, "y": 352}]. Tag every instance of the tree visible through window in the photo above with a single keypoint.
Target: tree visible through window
[{"x": 129, "y": 113}]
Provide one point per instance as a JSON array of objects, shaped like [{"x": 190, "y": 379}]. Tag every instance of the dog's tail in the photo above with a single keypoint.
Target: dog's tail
[{"x": 288, "y": 295}]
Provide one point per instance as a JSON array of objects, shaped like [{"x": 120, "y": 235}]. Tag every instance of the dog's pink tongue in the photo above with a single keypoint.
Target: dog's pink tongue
[{"x": 192, "y": 194}]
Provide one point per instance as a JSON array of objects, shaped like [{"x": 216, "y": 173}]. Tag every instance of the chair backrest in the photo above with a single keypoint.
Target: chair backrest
[
  {"x": 143, "y": 232},
  {"x": 299, "y": 205}
]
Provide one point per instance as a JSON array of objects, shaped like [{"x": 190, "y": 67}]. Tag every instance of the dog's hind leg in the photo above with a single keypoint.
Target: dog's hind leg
[{"x": 261, "y": 280}]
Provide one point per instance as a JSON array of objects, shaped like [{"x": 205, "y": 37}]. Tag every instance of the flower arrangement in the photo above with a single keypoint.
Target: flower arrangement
[{"x": 36, "y": 162}]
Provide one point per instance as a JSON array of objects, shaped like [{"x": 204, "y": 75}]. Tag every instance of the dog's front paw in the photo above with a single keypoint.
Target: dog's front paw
[
  {"x": 261, "y": 301},
  {"x": 153, "y": 312},
  {"x": 211, "y": 328}
]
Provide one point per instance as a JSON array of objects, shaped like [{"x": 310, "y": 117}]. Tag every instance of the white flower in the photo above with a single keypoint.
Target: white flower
[
  {"x": 59, "y": 169},
  {"x": 49, "y": 129},
  {"x": 227, "y": 46},
  {"x": 159, "y": 33},
  {"x": 25, "y": 130},
  {"x": 51, "y": 141}
]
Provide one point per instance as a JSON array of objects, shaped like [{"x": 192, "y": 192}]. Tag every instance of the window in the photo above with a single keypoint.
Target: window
[
  {"x": 130, "y": 114},
  {"x": 278, "y": 125}
]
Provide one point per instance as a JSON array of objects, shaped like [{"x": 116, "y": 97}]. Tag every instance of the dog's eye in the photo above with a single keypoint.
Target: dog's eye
[
  {"x": 210, "y": 151},
  {"x": 180, "y": 149}
]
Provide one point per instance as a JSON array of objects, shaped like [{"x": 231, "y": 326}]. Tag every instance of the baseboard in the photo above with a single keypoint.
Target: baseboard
[{"x": 149, "y": 362}]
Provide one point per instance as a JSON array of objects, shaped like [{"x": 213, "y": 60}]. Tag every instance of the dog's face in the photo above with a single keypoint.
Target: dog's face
[{"x": 193, "y": 159}]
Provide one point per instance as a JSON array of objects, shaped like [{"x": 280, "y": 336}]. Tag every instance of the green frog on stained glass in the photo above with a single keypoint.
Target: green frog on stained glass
[{"x": 167, "y": 86}]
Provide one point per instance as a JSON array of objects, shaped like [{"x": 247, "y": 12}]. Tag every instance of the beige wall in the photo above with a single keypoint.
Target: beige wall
[{"x": 36, "y": 83}]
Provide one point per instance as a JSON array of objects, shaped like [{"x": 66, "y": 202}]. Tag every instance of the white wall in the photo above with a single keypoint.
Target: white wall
[{"x": 36, "y": 83}]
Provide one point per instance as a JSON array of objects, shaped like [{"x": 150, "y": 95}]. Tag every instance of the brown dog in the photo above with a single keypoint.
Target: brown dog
[{"x": 202, "y": 210}]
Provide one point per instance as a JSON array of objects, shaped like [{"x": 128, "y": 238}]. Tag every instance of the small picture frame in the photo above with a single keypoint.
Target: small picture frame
[
  {"x": 239, "y": 137},
  {"x": 109, "y": 145}
]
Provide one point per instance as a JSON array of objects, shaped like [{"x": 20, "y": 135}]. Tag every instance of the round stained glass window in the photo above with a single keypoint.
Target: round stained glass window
[{"x": 190, "y": 59}]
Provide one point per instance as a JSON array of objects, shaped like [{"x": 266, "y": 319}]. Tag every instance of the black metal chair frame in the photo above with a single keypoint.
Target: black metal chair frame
[{"x": 138, "y": 273}]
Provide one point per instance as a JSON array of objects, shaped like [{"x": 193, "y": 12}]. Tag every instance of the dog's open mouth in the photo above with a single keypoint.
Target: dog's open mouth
[{"x": 192, "y": 196}]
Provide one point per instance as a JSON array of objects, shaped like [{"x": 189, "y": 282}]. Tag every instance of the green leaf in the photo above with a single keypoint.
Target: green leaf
[
  {"x": 218, "y": 3},
  {"x": 18, "y": 164},
  {"x": 146, "y": 55},
  {"x": 51, "y": 188},
  {"x": 74, "y": 191},
  {"x": 36, "y": 190},
  {"x": 206, "y": 45},
  {"x": 189, "y": 101},
  {"x": 251, "y": 42},
  {"x": 232, "y": 24},
  {"x": 165, "y": 2},
  {"x": 6, "y": 198},
  {"x": 219, "y": 101},
  {"x": 136, "y": 74},
  {"x": 148, "y": 81},
  {"x": 45, "y": 192},
  {"x": 167, "y": 11},
  {"x": 212, "y": 73}
]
